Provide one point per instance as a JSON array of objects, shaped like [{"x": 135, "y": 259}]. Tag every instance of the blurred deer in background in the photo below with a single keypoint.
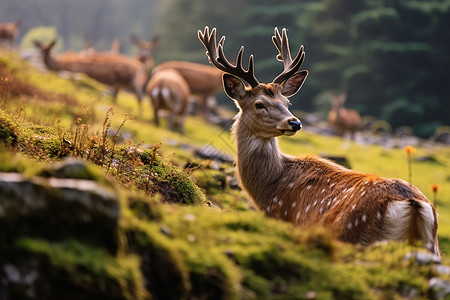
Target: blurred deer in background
[
  {"x": 145, "y": 50},
  {"x": 341, "y": 119},
  {"x": 169, "y": 92},
  {"x": 356, "y": 207},
  {"x": 115, "y": 70},
  {"x": 9, "y": 32},
  {"x": 204, "y": 81}
]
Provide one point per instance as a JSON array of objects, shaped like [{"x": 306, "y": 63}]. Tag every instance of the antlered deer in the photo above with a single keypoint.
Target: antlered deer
[
  {"x": 204, "y": 81},
  {"x": 341, "y": 119},
  {"x": 9, "y": 32},
  {"x": 169, "y": 92},
  {"x": 358, "y": 208},
  {"x": 115, "y": 70}
]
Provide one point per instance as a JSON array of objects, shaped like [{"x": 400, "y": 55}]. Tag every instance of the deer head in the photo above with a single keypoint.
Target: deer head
[
  {"x": 145, "y": 48},
  {"x": 263, "y": 107}
]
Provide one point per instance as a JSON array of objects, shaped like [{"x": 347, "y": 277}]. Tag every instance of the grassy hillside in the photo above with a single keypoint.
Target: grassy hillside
[{"x": 247, "y": 256}]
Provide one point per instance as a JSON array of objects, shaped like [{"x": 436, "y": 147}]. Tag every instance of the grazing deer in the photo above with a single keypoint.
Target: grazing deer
[
  {"x": 169, "y": 92},
  {"x": 358, "y": 208},
  {"x": 115, "y": 70},
  {"x": 341, "y": 119},
  {"x": 9, "y": 32},
  {"x": 204, "y": 81},
  {"x": 145, "y": 50}
]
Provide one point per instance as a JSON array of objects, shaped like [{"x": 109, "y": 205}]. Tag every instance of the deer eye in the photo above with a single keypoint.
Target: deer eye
[{"x": 259, "y": 105}]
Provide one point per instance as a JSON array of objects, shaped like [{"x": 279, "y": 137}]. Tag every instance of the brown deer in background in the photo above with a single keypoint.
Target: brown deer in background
[
  {"x": 356, "y": 207},
  {"x": 115, "y": 70},
  {"x": 169, "y": 92},
  {"x": 341, "y": 119},
  {"x": 145, "y": 50},
  {"x": 9, "y": 32},
  {"x": 204, "y": 81}
]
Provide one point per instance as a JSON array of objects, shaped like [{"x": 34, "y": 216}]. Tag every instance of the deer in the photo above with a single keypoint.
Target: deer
[
  {"x": 9, "y": 32},
  {"x": 343, "y": 120},
  {"x": 307, "y": 190},
  {"x": 169, "y": 92},
  {"x": 145, "y": 50},
  {"x": 203, "y": 80},
  {"x": 115, "y": 70}
]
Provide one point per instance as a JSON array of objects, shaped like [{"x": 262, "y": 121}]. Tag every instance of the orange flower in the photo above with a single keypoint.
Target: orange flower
[
  {"x": 409, "y": 149},
  {"x": 435, "y": 188}
]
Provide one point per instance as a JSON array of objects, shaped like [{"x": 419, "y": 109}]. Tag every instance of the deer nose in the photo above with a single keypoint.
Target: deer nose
[{"x": 295, "y": 124}]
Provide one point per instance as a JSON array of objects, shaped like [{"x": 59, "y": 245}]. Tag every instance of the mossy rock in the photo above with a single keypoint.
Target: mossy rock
[
  {"x": 9, "y": 131},
  {"x": 38, "y": 269},
  {"x": 56, "y": 208}
]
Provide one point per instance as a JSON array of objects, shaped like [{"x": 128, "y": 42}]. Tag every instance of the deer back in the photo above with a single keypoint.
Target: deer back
[
  {"x": 202, "y": 79},
  {"x": 169, "y": 91}
]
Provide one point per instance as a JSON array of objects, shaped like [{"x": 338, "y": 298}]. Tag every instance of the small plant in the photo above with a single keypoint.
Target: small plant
[
  {"x": 409, "y": 151},
  {"x": 435, "y": 188}
]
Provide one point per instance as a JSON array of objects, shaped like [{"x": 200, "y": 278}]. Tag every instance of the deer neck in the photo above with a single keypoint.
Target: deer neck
[
  {"x": 50, "y": 62},
  {"x": 260, "y": 163}
]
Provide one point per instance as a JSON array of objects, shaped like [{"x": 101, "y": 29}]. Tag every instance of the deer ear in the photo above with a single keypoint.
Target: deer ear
[
  {"x": 293, "y": 83},
  {"x": 37, "y": 44},
  {"x": 233, "y": 86}
]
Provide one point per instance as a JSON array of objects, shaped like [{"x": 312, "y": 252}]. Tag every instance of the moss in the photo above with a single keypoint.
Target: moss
[
  {"x": 166, "y": 179},
  {"x": 9, "y": 130},
  {"x": 79, "y": 271}
]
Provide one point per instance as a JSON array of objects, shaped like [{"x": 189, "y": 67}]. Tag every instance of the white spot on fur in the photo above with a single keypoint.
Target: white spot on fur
[
  {"x": 308, "y": 187},
  {"x": 349, "y": 225},
  {"x": 353, "y": 207},
  {"x": 165, "y": 92},
  {"x": 280, "y": 203},
  {"x": 315, "y": 203},
  {"x": 155, "y": 92},
  {"x": 364, "y": 218},
  {"x": 328, "y": 180},
  {"x": 344, "y": 190},
  {"x": 285, "y": 213},
  {"x": 320, "y": 211},
  {"x": 323, "y": 190},
  {"x": 294, "y": 204},
  {"x": 290, "y": 185},
  {"x": 268, "y": 209},
  {"x": 297, "y": 216},
  {"x": 307, "y": 208},
  {"x": 363, "y": 193},
  {"x": 275, "y": 199},
  {"x": 333, "y": 184},
  {"x": 378, "y": 215},
  {"x": 356, "y": 223}
]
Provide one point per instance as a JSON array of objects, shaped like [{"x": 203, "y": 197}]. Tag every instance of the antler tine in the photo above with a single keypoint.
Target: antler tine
[
  {"x": 281, "y": 42},
  {"x": 218, "y": 59}
]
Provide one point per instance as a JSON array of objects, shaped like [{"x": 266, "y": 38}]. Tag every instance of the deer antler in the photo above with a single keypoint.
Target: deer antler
[
  {"x": 218, "y": 59},
  {"x": 284, "y": 54}
]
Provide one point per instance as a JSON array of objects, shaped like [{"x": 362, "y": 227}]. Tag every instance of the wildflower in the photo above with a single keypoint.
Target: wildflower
[
  {"x": 435, "y": 188},
  {"x": 409, "y": 149}
]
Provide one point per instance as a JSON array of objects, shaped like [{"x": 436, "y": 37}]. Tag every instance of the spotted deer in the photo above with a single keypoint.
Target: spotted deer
[
  {"x": 169, "y": 92},
  {"x": 9, "y": 32},
  {"x": 115, "y": 70},
  {"x": 358, "y": 208},
  {"x": 344, "y": 121}
]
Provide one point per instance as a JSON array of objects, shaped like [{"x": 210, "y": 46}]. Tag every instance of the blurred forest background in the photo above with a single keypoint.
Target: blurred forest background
[{"x": 392, "y": 57}]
